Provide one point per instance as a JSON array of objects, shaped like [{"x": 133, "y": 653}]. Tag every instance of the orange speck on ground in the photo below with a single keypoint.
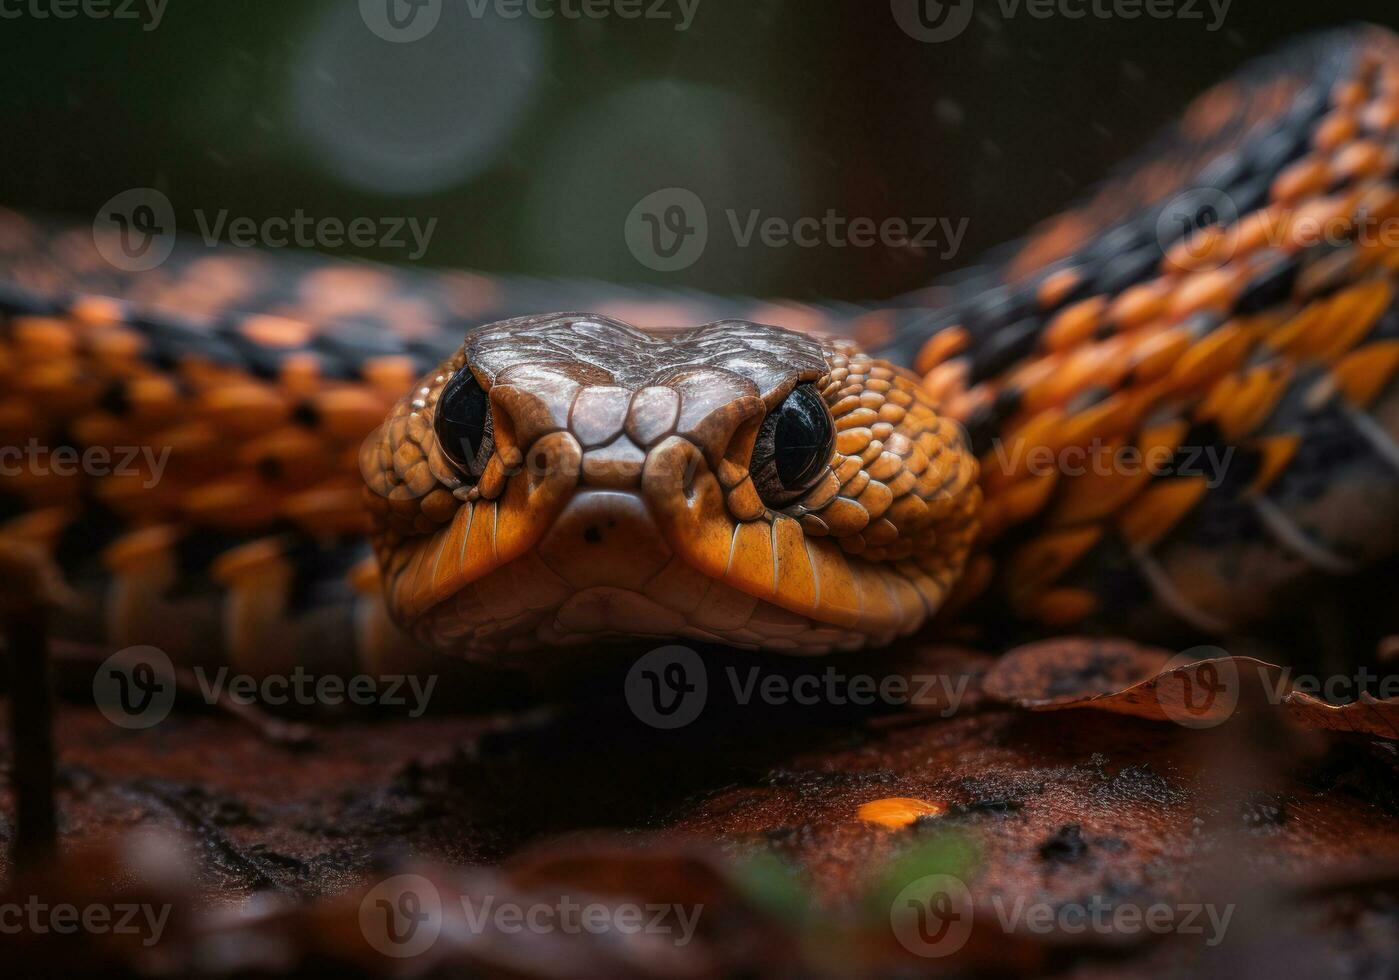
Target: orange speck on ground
[{"x": 898, "y": 811}]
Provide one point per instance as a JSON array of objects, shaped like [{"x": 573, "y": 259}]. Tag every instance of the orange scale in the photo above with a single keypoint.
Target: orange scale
[
  {"x": 238, "y": 502},
  {"x": 1363, "y": 158},
  {"x": 946, "y": 380},
  {"x": 1012, "y": 458},
  {"x": 1275, "y": 454},
  {"x": 1075, "y": 372},
  {"x": 1154, "y": 349},
  {"x": 1060, "y": 608},
  {"x": 276, "y": 331},
  {"x": 1017, "y": 503},
  {"x": 1042, "y": 561},
  {"x": 116, "y": 346},
  {"x": 1213, "y": 290},
  {"x": 1030, "y": 375},
  {"x": 942, "y": 345},
  {"x": 1208, "y": 248},
  {"x": 1262, "y": 229},
  {"x": 41, "y": 338},
  {"x": 1109, "y": 418},
  {"x": 1151, "y": 516},
  {"x": 301, "y": 374},
  {"x": 97, "y": 311},
  {"x": 1382, "y": 116},
  {"x": 1350, "y": 94},
  {"x": 1097, "y": 494},
  {"x": 1056, "y": 287},
  {"x": 1215, "y": 354},
  {"x": 1365, "y": 372},
  {"x": 964, "y": 404},
  {"x": 1319, "y": 220},
  {"x": 1240, "y": 403},
  {"x": 1075, "y": 324},
  {"x": 1303, "y": 179},
  {"x": 1288, "y": 336},
  {"x": 1335, "y": 130},
  {"x": 390, "y": 375},
  {"x": 1355, "y": 313},
  {"x": 1378, "y": 207},
  {"x": 1140, "y": 304}
]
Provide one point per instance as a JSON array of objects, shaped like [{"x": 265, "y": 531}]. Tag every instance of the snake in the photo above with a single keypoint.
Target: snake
[{"x": 1172, "y": 407}]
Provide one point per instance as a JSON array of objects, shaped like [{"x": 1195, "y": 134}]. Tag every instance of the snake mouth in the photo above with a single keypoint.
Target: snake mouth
[{"x": 563, "y": 561}]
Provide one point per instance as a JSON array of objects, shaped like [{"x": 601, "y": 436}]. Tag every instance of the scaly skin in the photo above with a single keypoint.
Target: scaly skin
[
  {"x": 1103, "y": 329},
  {"x": 632, "y": 511}
]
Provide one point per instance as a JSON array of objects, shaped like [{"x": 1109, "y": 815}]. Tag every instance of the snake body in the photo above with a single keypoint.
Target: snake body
[{"x": 1115, "y": 422}]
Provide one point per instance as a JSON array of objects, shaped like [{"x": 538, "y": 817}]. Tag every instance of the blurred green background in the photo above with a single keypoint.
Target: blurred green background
[{"x": 531, "y": 139}]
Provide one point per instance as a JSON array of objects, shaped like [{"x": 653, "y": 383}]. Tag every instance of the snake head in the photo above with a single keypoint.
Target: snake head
[{"x": 571, "y": 479}]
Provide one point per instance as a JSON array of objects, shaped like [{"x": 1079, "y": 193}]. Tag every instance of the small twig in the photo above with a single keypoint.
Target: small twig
[{"x": 25, "y": 612}]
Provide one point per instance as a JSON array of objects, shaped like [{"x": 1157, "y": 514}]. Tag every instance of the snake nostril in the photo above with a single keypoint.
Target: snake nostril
[{"x": 592, "y": 534}]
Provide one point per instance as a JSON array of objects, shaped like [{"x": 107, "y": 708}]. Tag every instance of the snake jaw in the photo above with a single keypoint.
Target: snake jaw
[
  {"x": 619, "y": 502},
  {"x": 484, "y": 535}
]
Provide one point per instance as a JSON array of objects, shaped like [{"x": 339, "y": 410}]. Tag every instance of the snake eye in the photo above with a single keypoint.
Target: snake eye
[
  {"x": 794, "y": 445},
  {"x": 463, "y": 424}
]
